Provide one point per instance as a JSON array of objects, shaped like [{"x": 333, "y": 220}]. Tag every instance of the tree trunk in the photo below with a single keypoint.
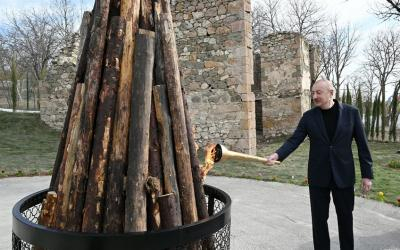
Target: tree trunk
[
  {"x": 92, "y": 79},
  {"x": 169, "y": 211},
  {"x": 79, "y": 78},
  {"x": 185, "y": 180},
  {"x": 166, "y": 142},
  {"x": 66, "y": 166},
  {"x": 114, "y": 204},
  {"x": 159, "y": 59},
  {"x": 93, "y": 211},
  {"x": 135, "y": 203},
  {"x": 146, "y": 17}
]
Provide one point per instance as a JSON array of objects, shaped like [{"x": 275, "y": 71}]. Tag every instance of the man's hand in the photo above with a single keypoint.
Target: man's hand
[
  {"x": 272, "y": 159},
  {"x": 366, "y": 185}
]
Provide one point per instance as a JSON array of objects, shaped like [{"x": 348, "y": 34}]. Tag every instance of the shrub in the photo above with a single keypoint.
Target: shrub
[{"x": 394, "y": 164}]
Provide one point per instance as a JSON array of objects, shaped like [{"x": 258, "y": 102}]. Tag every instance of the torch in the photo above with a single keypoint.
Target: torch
[{"x": 217, "y": 152}]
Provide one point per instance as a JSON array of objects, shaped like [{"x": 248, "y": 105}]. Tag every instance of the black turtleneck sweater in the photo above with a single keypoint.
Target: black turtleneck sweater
[{"x": 330, "y": 117}]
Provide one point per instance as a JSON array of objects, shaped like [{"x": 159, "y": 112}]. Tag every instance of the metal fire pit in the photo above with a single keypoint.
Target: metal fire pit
[{"x": 27, "y": 234}]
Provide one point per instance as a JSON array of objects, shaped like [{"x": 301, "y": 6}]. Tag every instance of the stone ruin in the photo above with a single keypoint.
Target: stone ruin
[{"x": 214, "y": 44}]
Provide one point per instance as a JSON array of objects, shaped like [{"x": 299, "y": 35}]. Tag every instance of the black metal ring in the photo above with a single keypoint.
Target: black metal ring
[{"x": 48, "y": 238}]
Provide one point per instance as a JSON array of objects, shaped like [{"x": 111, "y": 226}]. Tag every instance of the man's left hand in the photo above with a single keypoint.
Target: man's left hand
[{"x": 366, "y": 185}]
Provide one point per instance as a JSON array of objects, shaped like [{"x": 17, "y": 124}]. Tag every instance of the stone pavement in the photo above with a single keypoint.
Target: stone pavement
[{"x": 265, "y": 215}]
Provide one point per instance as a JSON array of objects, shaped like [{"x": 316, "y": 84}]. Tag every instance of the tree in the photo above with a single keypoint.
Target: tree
[
  {"x": 367, "y": 123},
  {"x": 33, "y": 37},
  {"x": 394, "y": 113},
  {"x": 383, "y": 59},
  {"x": 305, "y": 17},
  {"x": 378, "y": 114},
  {"x": 359, "y": 102},
  {"x": 343, "y": 43},
  {"x": 344, "y": 99},
  {"x": 64, "y": 15},
  {"x": 389, "y": 9},
  {"x": 348, "y": 96},
  {"x": 14, "y": 83}
]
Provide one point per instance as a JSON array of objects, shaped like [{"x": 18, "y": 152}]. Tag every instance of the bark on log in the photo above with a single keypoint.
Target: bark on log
[
  {"x": 92, "y": 79},
  {"x": 146, "y": 17},
  {"x": 194, "y": 160},
  {"x": 159, "y": 59},
  {"x": 169, "y": 211},
  {"x": 185, "y": 180},
  {"x": 115, "y": 194},
  {"x": 166, "y": 143},
  {"x": 135, "y": 203},
  {"x": 94, "y": 202},
  {"x": 46, "y": 217},
  {"x": 65, "y": 172},
  {"x": 153, "y": 188},
  {"x": 79, "y": 78}
]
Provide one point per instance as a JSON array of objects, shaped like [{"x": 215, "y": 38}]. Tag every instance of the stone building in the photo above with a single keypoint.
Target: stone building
[
  {"x": 214, "y": 46},
  {"x": 284, "y": 70}
]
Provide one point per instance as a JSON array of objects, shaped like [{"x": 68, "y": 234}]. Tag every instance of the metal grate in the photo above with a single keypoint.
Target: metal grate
[{"x": 218, "y": 240}]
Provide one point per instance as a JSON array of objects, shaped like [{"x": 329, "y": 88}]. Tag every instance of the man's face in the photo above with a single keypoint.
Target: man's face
[{"x": 321, "y": 95}]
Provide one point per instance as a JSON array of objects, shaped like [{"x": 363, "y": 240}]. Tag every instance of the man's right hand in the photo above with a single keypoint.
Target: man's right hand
[{"x": 272, "y": 159}]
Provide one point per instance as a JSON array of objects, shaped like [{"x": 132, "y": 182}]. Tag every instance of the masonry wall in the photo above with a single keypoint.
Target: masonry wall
[
  {"x": 215, "y": 55},
  {"x": 285, "y": 83}
]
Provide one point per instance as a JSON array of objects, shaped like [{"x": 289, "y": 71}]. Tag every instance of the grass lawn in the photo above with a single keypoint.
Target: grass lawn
[{"x": 28, "y": 147}]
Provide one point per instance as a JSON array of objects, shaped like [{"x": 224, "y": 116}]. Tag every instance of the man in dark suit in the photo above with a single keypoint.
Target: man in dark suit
[{"x": 331, "y": 127}]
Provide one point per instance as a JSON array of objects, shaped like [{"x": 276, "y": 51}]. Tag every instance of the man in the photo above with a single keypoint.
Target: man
[{"x": 331, "y": 127}]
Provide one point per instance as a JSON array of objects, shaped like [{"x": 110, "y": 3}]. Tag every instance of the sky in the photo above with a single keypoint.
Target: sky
[{"x": 358, "y": 13}]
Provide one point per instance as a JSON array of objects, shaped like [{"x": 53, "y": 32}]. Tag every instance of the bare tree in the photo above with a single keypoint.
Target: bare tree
[
  {"x": 35, "y": 40},
  {"x": 265, "y": 20},
  {"x": 305, "y": 17},
  {"x": 388, "y": 9},
  {"x": 342, "y": 42},
  {"x": 64, "y": 16},
  {"x": 326, "y": 53},
  {"x": 383, "y": 59}
]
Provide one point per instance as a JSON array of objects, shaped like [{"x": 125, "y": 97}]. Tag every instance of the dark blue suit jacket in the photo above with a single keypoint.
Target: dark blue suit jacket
[{"x": 331, "y": 159}]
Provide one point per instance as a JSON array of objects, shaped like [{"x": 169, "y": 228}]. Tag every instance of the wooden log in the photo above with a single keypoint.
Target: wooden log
[
  {"x": 172, "y": 79},
  {"x": 93, "y": 211},
  {"x": 153, "y": 188},
  {"x": 46, "y": 217},
  {"x": 159, "y": 58},
  {"x": 166, "y": 142},
  {"x": 169, "y": 211},
  {"x": 155, "y": 170},
  {"x": 65, "y": 172},
  {"x": 115, "y": 194},
  {"x": 135, "y": 202},
  {"x": 146, "y": 15},
  {"x": 92, "y": 79},
  {"x": 79, "y": 78},
  {"x": 201, "y": 203}
]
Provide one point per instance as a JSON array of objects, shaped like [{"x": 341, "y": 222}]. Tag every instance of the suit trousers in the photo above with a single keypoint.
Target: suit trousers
[{"x": 343, "y": 198}]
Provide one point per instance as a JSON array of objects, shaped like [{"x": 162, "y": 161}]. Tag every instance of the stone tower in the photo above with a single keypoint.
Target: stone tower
[{"x": 285, "y": 83}]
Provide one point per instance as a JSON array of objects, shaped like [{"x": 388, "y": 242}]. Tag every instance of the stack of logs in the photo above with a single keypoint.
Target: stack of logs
[{"x": 127, "y": 159}]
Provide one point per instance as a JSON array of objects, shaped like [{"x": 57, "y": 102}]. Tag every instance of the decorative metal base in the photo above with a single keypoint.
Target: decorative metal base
[{"x": 27, "y": 234}]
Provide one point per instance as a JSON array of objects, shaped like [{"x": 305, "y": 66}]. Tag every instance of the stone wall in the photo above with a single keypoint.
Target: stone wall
[
  {"x": 55, "y": 89},
  {"x": 214, "y": 47},
  {"x": 285, "y": 83}
]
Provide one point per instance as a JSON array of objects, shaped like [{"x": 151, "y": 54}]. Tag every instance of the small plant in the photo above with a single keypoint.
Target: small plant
[
  {"x": 19, "y": 173},
  {"x": 394, "y": 164},
  {"x": 381, "y": 196}
]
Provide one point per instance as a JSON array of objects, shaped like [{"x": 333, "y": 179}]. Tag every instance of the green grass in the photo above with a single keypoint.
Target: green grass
[
  {"x": 27, "y": 145},
  {"x": 294, "y": 168}
]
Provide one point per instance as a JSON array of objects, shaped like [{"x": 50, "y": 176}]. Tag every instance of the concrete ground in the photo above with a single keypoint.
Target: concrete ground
[{"x": 265, "y": 215}]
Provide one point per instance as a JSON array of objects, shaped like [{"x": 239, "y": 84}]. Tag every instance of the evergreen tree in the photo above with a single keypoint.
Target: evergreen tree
[
  {"x": 14, "y": 82},
  {"x": 344, "y": 97},
  {"x": 378, "y": 115},
  {"x": 368, "y": 116},
  {"x": 372, "y": 131},
  {"x": 394, "y": 114},
  {"x": 348, "y": 96},
  {"x": 359, "y": 102}
]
